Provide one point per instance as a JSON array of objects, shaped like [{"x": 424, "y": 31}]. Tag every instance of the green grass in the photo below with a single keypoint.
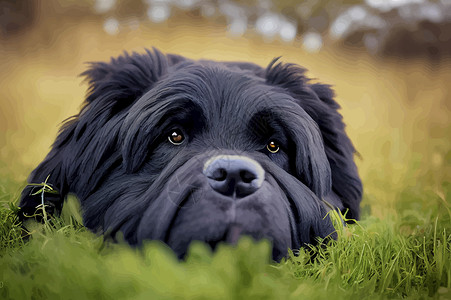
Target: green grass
[{"x": 407, "y": 255}]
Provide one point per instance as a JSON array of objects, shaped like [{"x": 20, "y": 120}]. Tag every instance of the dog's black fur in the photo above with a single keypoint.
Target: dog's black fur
[{"x": 115, "y": 155}]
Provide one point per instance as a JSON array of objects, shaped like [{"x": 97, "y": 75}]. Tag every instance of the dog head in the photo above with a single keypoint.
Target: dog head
[{"x": 178, "y": 150}]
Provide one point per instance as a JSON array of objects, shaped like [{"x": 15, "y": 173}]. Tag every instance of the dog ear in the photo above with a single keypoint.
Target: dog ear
[
  {"x": 127, "y": 77},
  {"x": 87, "y": 146},
  {"x": 318, "y": 102}
]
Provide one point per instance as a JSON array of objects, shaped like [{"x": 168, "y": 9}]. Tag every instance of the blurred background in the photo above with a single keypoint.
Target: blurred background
[{"x": 389, "y": 62}]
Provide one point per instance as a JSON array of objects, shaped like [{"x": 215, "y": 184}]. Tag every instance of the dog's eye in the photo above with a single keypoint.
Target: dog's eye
[
  {"x": 176, "y": 137},
  {"x": 272, "y": 146}
]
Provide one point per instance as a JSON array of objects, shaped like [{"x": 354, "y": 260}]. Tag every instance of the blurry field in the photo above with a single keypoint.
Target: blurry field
[{"x": 397, "y": 114}]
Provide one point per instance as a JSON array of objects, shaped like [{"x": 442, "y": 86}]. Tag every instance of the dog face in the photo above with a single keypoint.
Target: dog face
[{"x": 176, "y": 150}]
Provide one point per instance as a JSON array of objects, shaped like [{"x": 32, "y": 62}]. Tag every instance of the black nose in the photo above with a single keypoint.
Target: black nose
[{"x": 234, "y": 175}]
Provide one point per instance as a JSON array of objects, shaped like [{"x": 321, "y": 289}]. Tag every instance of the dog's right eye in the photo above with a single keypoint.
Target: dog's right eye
[{"x": 176, "y": 137}]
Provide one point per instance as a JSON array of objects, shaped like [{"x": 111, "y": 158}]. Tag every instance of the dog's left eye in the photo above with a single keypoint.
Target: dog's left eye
[
  {"x": 272, "y": 146},
  {"x": 176, "y": 137}
]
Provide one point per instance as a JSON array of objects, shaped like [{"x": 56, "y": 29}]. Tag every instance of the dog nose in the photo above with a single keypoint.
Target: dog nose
[{"x": 234, "y": 175}]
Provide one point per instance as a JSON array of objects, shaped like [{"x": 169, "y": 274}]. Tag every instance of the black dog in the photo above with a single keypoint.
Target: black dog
[{"x": 177, "y": 150}]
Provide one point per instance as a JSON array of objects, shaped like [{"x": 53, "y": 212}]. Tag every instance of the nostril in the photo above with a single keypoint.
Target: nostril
[
  {"x": 219, "y": 174},
  {"x": 247, "y": 176}
]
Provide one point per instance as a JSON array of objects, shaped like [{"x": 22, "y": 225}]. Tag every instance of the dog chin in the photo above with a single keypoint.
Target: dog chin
[{"x": 212, "y": 218}]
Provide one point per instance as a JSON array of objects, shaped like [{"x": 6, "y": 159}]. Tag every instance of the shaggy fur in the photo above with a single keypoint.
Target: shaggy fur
[{"x": 115, "y": 155}]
